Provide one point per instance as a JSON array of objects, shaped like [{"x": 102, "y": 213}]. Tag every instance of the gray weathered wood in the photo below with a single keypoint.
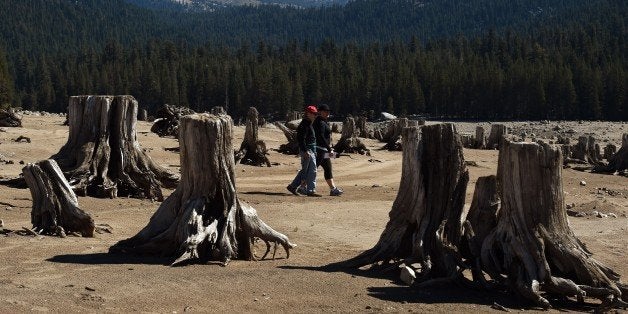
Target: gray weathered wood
[
  {"x": 252, "y": 150},
  {"x": 203, "y": 218}
]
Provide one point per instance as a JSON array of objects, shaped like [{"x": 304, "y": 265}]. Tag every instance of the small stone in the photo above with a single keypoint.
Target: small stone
[
  {"x": 368, "y": 307},
  {"x": 600, "y": 215},
  {"x": 594, "y": 213},
  {"x": 376, "y": 186},
  {"x": 569, "y": 206},
  {"x": 583, "y": 183},
  {"x": 612, "y": 215}
]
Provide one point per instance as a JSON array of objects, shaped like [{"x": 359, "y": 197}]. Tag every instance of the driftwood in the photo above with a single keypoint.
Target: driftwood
[
  {"x": 587, "y": 151},
  {"x": 167, "y": 122},
  {"x": 292, "y": 147},
  {"x": 498, "y": 131},
  {"x": 203, "y": 218},
  {"x": 425, "y": 224},
  {"x": 480, "y": 138},
  {"x": 533, "y": 249},
  {"x": 609, "y": 151},
  {"x": 102, "y": 156},
  {"x": 22, "y": 138},
  {"x": 349, "y": 141},
  {"x": 252, "y": 150},
  {"x": 55, "y": 206},
  {"x": 10, "y": 118}
]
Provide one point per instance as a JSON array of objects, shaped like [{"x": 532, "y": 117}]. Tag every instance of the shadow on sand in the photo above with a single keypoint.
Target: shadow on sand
[{"x": 109, "y": 258}]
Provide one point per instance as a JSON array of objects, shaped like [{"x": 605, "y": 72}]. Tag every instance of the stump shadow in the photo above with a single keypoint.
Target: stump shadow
[
  {"x": 447, "y": 293},
  {"x": 109, "y": 259}
]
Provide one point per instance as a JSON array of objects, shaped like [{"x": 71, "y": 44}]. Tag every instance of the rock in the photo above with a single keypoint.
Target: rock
[
  {"x": 570, "y": 206},
  {"x": 583, "y": 183},
  {"x": 612, "y": 215},
  {"x": 600, "y": 215},
  {"x": 376, "y": 186},
  {"x": 573, "y": 213},
  {"x": 1, "y": 223},
  {"x": 407, "y": 275}
]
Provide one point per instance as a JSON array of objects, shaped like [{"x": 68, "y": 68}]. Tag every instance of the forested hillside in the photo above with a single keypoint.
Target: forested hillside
[{"x": 464, "y": 59}]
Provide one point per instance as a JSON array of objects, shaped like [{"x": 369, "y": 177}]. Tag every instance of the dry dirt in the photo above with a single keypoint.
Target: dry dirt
[{"x": 77, "y": 275}]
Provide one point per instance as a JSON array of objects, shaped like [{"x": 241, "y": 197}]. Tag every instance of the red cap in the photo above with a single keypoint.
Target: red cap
[{"x": 311, "y": 109}]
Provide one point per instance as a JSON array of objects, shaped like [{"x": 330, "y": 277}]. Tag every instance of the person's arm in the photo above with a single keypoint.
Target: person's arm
[
  {"x": 326, "y": 129},
  {"x": 301, "y": 133}
]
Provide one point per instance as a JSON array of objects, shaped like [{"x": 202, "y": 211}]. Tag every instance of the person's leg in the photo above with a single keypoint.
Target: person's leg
[
  {"x": 326, "y": 163},
  {"x": 310, "y": 173},
  {"x": 300, "y": 177}
]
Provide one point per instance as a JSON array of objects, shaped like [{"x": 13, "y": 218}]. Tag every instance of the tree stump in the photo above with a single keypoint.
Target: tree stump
[
  {"x": 292, "y": 147},
  {"x": 480, "y": 138},
  {"x": 425, "y": 224},
  {"x": 586, "y": 151},
  {"x": 55, "y": 206},
  {"x": 252, "y": 150},
  {"x": 167, "y": 122},
  {"x": 392, "y": 135},
  {"x": 609, "y": 151},
  {"x": 102, "y": 157},
  {"x": 361, "y": 127},
  {"x": 484, "y": 207},
  {"x": 468, "y": 141},
  {"x": 9, "y": 118},
  {"x": 619, "y": 161},
  {"x": 203, "y": 218},
  {"x": 143, "y": 115},
  {"x": 216, "y": 110},
  {"x": 498, "y": 131},
  {"x": 533, "y": 244},
  {"x": 349, "y": 141}
]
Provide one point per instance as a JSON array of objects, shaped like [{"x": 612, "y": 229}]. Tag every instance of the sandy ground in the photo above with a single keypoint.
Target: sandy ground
[{"x": 77, "y": 275}]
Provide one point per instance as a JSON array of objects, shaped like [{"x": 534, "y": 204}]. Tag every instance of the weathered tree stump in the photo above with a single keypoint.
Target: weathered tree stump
[
  {"x": 468, "y": 141},
  {"x": 55, "y": 206},
  {"x": 533, "y": 245},
  {"x": 167, "y": 122},
  {"x": 586, "y": 151},
  {"x": 498, "y": 131},
  {"x": 9, "y": 118},
  {"x": 484, "y": 207},
  {"x": 294, "y": 115},
  {"x": 102, "y": 156},
  {"x": 392, "y": 135},
  {"x": 216, "y": 110},
  {"x": 425, "y": 224},
  {"x": 619, "y": 161},
  {"x": 292, "y": 147},
  {"x": 361, "y": 127},
  {"x": 203, "y": 218},
  {"x": 349, "y": 141},
  {"x": 480, "y": 138},
  {"x": 609, "y": 151},
  {"x": 143, "y": 115},
  {"x": 252, "y": 150}
]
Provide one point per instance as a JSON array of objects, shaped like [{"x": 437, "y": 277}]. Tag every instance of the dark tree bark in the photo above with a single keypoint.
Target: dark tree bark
[
  {"x": 468, "y": 141},
  {"x": 9, "y": 118},
  {"x": 143, "y": 115},
  {"x": 480, "y": 138},
  {"x": 533, "y": 245},
  {"x": 484, "y": 207},
  {"x": 618, "y": 163},
  {"x": 252, "y": 150},
  {"x": 292, "y": 147},
  {"x": 609, "y": 151},
  {"x": 498, "y": 131},
  {"x": 425, "y": 224},
  {"x": 392, "y": 134},
  {"x": 55, "y": 206},
  {"x": 203, "y": 218},
  {"x": 102, "y": 156},
  {"x": 349, "y": 141},
  {"x": 167, "y": 123}
]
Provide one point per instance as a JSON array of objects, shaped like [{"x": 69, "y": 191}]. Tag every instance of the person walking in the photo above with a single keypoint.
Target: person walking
[
  {"x": 324, "y": 152},
  {"x": 305, "y": 180}
]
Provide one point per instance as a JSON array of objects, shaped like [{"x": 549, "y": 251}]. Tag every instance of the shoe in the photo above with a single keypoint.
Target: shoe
[
  {"x": 313, "y": 194},
  {"x": 335, "y": 192},
  {"x": 293, "y": 190}
]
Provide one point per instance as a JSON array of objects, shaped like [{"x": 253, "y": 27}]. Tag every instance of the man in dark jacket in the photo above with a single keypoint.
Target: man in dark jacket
[
  {"x": 307, "y": 149},
  {"x": 324, "y": 152}
]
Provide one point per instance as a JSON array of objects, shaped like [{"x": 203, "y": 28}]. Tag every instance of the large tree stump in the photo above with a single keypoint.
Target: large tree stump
[
  {"x": 349, "y": 141},
  {"x": 425, "y": 219},
  {"x": 167, "y": 122},
  {"x": 292, "y": 147},
  {"x": 203, "y": 218},
  {"x": 498, "y": 131},
  {"x": 55, "y": 206},
  {"x": 252, "y": 150},
  {"x": 9, "y": 118},
  {"x": 102, "y": 157},
  {"x": 609, "y": 151},
  {"x": 143, "y": 115},
  {"x": 484, "y": 207},
  {"x": 480, "y": 138},
  {"x": 533, "y": 245}
]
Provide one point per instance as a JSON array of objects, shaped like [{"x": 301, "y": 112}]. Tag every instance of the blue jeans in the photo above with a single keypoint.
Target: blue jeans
[{"x": 307, "y": 172}]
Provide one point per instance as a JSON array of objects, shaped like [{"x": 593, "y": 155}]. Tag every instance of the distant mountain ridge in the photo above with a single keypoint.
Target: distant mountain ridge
[{"x": 210, "y": 5}]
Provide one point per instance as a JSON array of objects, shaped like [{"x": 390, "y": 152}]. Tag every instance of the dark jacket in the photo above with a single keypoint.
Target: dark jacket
[
  {"x": 323, "y": 133},
  {"x": 306, "y": 137}
]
